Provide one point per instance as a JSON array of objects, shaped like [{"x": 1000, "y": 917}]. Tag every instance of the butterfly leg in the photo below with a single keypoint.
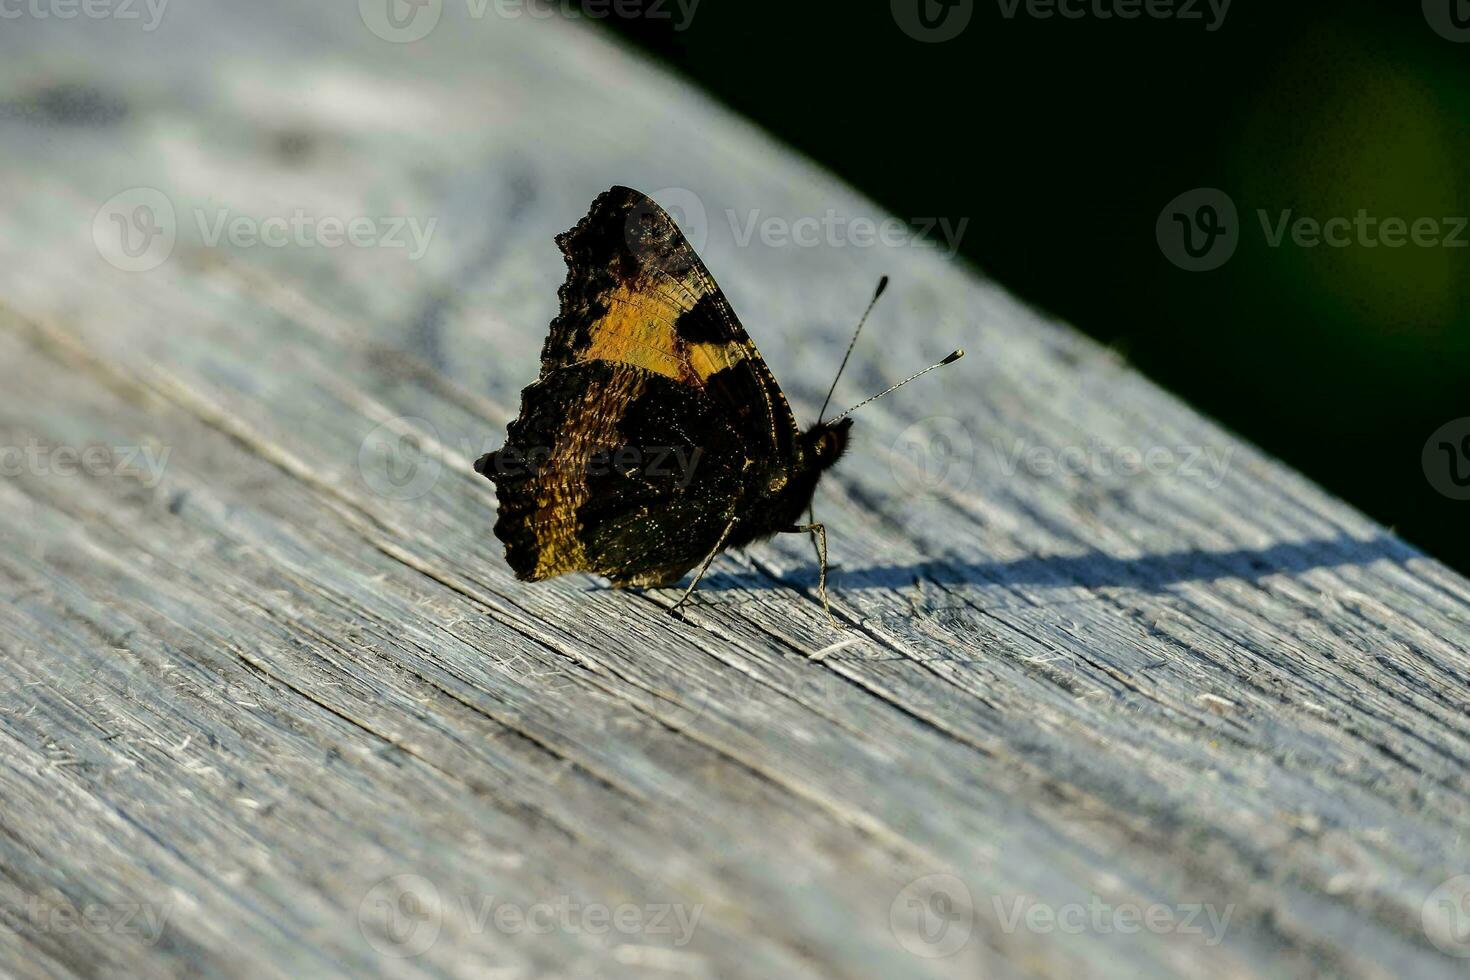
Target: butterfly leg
[
  {"x": 818, "y": 532},
  {"x": 811, "y": 520},
  {"x": 724, "y": 536}
]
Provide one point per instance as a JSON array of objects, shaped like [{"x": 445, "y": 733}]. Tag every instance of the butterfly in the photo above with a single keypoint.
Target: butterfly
[{"x": 655, "y": 436}]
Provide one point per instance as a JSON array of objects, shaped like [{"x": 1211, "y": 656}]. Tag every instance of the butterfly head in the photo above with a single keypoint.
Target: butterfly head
[
  {"x": 825, "y": 443},
  {"x": 789, "y": 484}
]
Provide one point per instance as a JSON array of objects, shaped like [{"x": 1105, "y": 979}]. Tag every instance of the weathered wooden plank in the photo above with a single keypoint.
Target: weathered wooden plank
[{"x": 246, "y": 693}]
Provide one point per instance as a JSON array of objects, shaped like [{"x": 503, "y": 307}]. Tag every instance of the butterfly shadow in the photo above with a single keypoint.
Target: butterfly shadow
[{"x": 1091, "y": 570}]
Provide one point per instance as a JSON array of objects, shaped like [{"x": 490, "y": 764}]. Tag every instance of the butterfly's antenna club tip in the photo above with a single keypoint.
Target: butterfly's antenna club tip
[
  {"x": 882, "y": 285},
  {"x": 953, "y": 357}
]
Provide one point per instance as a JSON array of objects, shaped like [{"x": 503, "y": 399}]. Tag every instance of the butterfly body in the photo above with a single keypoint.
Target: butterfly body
[
  {"x": 655, "y": 436},
  {"x": 781, "y": 490}
]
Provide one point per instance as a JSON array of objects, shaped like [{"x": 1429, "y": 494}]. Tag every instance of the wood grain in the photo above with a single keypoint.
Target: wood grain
[{"x": 1100, "y": 655}]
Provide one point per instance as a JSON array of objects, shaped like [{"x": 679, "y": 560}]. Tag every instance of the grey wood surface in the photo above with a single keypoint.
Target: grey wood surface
[{"x": 272, "y": 705}]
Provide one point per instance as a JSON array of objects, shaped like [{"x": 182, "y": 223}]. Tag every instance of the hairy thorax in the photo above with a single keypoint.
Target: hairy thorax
[{"x": 783, "y": 489}]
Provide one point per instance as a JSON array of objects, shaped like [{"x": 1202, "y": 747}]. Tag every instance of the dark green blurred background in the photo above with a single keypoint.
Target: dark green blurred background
[{"x": 1062, "y": 141}]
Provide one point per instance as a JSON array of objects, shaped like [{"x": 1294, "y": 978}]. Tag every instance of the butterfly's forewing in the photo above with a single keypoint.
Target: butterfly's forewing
[
  {"x": 636, "y": 293},
  {"x": 646, "y": 363}
]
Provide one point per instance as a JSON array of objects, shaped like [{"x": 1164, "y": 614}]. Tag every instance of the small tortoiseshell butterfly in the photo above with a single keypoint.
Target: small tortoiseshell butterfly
[{"x": 655, "y": 437}]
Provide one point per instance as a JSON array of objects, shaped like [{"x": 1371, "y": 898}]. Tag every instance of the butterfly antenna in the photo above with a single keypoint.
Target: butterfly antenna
[
  {"x": 882, "y": 285},
  {"x": 811, "y": 509},
  {"x": 892, "y": 388}
]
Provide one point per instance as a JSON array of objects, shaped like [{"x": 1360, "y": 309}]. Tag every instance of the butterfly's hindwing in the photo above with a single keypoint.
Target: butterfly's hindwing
[{"x": 614, "y": 469}]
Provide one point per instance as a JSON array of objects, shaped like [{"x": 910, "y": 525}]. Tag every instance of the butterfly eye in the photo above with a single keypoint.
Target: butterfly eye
[{"x": 776, "y": 483}]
